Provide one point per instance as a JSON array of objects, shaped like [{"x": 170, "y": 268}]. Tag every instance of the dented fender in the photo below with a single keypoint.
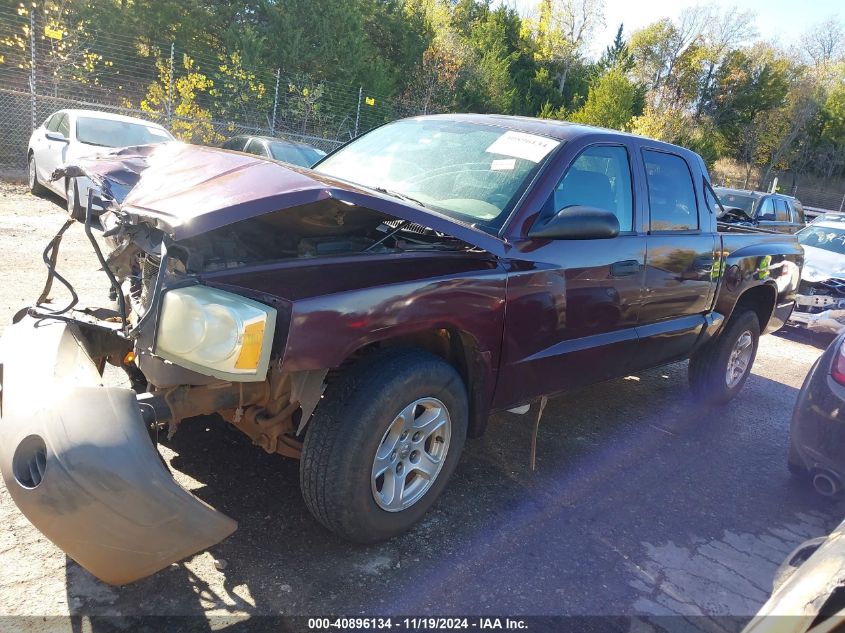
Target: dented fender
[{"x": 78, "y": 461}]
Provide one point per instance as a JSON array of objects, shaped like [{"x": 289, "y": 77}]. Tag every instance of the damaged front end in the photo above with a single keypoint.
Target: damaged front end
[
  {"x": 76, "y": 456},
  {"x": 820, "y": 306}
]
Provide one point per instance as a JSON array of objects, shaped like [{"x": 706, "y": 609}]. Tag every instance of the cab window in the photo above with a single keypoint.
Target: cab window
[
  {"x": 781, "y": 210},
  {"x": 600, "y": 178},
  {"x": 671, "y": 194},
  {"x": 766, "y": 210}
]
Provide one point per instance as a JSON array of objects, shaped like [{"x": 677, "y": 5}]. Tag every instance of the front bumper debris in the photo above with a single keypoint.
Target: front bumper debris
[
  {"x": 77, "y": 460},
  {"x": 830, "y": 321}
]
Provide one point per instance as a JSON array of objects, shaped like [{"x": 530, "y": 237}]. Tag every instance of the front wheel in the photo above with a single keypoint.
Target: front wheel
[
  {"x": 383, "y": 443},
  {"x": 35, "y": 187},
  {"x": 718, "y": 370}
]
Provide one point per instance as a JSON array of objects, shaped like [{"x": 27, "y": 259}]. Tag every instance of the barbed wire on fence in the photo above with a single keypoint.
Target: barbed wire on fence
[{"x": 201, "y": 97}]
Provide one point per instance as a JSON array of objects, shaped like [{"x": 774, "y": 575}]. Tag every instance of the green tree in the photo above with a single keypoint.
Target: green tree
[
  {"x": 610, "y": 102},
  {"x": 616, "y": 55}
]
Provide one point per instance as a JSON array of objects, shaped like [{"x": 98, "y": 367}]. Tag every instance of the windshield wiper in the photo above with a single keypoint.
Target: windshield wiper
[{"x": 401, "y": 196}]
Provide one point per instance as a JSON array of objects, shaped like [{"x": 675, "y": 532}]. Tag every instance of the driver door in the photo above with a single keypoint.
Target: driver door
[{"x": 573, "y": 304}]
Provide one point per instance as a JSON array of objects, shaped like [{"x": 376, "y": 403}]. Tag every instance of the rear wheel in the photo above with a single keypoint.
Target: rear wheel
[
  {"x": 35, "y": 187},
  {"x": 718, "y": 371},
  {"x": 383, "y": 443}
]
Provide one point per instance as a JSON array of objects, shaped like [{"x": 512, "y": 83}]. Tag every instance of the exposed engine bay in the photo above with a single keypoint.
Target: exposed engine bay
[
  {"x": 322, "y": 229},
  {"x": 328, "y": 228}
]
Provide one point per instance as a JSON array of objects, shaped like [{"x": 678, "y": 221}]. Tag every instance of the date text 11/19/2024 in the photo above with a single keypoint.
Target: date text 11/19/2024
[{"x": 416, "y": 624}]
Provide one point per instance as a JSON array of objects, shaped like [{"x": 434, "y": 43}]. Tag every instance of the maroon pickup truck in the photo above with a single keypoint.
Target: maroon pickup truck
[{"x": 365, "y": 317}]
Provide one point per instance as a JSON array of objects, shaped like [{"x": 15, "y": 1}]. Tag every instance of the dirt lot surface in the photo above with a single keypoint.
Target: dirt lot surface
[{"x": 642, "y": 503}]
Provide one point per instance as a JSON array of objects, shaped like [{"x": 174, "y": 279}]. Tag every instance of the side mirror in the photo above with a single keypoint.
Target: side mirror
[
  {"x": 577, "y": 223},
  {"x": 57, "y": 136}
]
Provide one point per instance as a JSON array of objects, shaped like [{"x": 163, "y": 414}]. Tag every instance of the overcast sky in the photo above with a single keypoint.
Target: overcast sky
[{"x": 782, "y": 21}]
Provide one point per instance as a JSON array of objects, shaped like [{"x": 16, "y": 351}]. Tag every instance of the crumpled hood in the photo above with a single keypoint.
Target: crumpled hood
[
  {"x": 821, "y": 264},
  {"x": 189, "y": 190}
]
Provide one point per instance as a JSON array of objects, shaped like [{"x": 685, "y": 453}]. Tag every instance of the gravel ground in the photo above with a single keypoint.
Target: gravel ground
[{"x": 643, "y": 502}]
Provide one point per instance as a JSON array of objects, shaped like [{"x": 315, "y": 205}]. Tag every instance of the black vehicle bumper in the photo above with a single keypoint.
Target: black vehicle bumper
[{"x": 77, "y": 459}]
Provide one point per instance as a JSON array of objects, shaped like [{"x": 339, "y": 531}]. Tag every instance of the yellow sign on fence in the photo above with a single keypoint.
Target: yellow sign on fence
[{"x": 53, "y": 34}]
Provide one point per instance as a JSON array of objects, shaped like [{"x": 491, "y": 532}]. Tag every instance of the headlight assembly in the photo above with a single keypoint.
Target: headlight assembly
[{"x": 215, "y": 333}]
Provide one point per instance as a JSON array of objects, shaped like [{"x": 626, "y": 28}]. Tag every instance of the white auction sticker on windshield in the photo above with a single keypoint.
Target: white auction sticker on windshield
[
  {"x": 503, "y": 164},
  {"x": 521, "y": 145}
]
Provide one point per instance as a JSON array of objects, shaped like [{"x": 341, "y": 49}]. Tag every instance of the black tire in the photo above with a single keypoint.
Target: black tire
[
  {"x": 35, "y": 187},
  {"x": 348, "y": 428},
  {"x": 708, "y": 367}
]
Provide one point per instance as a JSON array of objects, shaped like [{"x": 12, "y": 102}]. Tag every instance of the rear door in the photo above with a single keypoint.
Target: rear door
[{"x": 681, "y": 250}]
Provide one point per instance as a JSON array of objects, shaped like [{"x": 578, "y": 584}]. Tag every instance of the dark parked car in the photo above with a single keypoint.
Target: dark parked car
[
  {"x": 773, "y": 211},
  {"x": 367, "y": 316},
  {"x": 817, "y": 432},
  {"x": 276, "y": 148}
]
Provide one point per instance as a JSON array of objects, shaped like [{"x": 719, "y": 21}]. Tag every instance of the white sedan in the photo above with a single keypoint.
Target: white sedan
[{"x": 68, "y": 135}]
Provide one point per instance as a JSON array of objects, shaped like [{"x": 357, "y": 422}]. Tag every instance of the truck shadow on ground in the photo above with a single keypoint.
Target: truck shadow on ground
[
  {"x": 819, "y": 340},
  {"x": 619, "y": 464}
]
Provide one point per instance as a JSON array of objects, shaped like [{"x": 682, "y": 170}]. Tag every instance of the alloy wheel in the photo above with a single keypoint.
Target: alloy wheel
[
  {"x": 411, "y": 454},
  {"x": 740, "y": 359}
]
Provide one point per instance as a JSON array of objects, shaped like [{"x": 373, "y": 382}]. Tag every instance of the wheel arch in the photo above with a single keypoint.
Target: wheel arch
[
  {"x": 458, "y": 348},
  {"x": 761, "y": 300}
]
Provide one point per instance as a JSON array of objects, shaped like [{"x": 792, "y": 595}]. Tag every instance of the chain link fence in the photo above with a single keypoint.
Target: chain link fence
[{"x": 202, "y": 98}]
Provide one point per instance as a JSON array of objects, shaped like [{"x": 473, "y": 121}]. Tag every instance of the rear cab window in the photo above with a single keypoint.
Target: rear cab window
[{"x": 671, "y": 193}]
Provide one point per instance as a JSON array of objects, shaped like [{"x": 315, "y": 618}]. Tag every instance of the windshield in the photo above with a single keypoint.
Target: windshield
[
  {"x": 737, "y": 201},
  {"x": 823, "y": 237},
  {"x": 110, "y": 133},
  {"x": 295, "y": 154},
  {"x": 473, "y": 172}
]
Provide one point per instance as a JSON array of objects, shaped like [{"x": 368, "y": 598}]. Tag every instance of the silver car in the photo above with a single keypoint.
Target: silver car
[{"x": 68, "y": 135}]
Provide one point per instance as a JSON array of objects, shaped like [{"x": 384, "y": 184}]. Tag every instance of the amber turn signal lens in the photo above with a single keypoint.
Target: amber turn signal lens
[
  {"x": 129, "y": 358},
  {"x": 251, "y": 348}
]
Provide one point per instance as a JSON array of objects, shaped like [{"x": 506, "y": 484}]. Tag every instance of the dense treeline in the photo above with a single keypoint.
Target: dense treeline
[{"x": 704, "y": 80}]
